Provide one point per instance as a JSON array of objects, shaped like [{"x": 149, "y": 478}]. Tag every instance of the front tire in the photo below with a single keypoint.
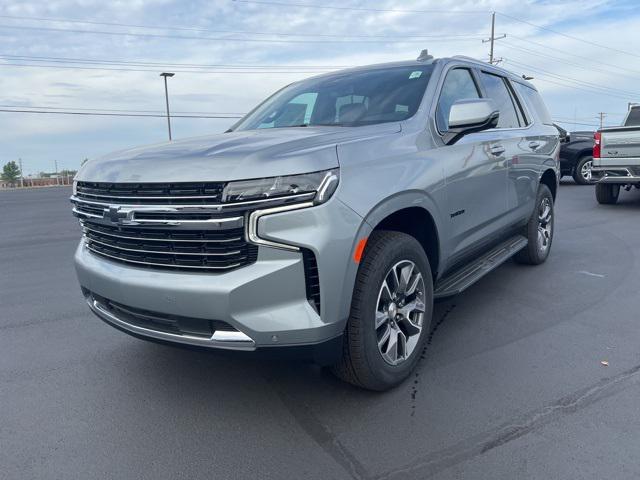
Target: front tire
[
  {"x": 390, "y": 313},
  {"x": 582, "y": 173},
  {"x": 607, "y": 193},
  {"x": 539, "y": 230}
]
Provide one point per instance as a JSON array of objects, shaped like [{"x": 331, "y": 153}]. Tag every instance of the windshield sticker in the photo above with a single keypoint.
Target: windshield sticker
[{"x": 415, "y": 74}]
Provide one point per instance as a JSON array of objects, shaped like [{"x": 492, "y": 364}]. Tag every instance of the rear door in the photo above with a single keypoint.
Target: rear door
[
  {"x": 538, "y": 150},
  {"x": 475, "y": 170},
  {"x": 520, "y": 146}
]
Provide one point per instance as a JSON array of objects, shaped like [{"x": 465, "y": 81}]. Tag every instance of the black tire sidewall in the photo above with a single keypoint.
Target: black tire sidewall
[
  {"x": 607, "y": 193},
  {"x": 404, "y": 248}
]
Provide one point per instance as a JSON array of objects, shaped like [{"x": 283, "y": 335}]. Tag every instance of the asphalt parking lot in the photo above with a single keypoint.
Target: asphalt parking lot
[{"x": 510, "y": 386}]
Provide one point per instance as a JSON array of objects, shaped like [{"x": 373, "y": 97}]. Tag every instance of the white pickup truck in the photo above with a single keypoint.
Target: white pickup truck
[{"x": 616, "y": 158}]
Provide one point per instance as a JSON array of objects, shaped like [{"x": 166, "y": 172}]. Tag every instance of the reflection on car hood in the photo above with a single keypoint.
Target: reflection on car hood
[{"x": 231, "y": 156}]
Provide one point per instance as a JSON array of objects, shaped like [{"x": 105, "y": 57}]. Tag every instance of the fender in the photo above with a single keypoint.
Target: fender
[{"x": 385, "y": 208}]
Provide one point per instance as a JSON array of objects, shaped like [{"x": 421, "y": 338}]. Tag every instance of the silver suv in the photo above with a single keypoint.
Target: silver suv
[{"x": 328, "y": 219}]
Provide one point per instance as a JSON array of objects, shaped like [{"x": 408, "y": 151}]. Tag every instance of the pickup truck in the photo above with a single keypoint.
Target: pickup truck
[
  {"x": 327, "y": 220},
  {"x": 576, "y": 155},
  {"x": 616, "y": 158}
]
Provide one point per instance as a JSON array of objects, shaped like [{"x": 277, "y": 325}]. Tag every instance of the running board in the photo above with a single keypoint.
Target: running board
[{"x": 466, "y": 276}]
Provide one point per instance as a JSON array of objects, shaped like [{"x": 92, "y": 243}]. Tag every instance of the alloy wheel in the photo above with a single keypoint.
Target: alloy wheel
[
  {"x": 545, "y": 224},
  {"x": 585, "y": 171},
  {"x": 400, "y": 312}
]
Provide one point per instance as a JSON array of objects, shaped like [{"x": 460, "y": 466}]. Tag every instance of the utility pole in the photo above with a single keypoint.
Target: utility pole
[
  {"x": 55, "y": 162},
  {"x": 21, "y": 173},
  {"x": 601, "y": 115},
  {"x": 492, "y": 60},
  {"x": 166, "y": 97}
]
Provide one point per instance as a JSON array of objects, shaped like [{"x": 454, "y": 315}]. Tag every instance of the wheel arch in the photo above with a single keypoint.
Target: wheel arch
[
  {"x": 418, "y": 223},
  {"x": 550, "y": 179},
  {"x": 415, "y": 214}
]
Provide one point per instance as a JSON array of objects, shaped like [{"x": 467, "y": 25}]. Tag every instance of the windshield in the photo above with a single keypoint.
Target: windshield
[{"x": 345, "y": 99}]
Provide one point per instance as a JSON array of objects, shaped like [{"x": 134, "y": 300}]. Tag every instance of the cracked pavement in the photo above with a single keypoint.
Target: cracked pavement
[{"x": 510, "y": 386}]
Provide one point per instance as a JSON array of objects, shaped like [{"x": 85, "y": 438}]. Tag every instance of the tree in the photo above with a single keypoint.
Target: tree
[{"x": 11, "y": 172}]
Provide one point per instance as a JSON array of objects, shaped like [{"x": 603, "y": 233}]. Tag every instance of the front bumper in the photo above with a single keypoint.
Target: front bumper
[{"x": 265, "y": 302}]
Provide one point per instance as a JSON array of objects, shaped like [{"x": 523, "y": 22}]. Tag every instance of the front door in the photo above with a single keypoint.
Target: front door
[{"x": 475, "y": 170}]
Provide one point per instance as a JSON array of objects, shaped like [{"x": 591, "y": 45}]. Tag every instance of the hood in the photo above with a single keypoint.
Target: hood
[{"x": 231, "y": 156}]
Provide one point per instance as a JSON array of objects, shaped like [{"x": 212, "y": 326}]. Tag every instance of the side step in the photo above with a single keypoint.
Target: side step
[{"x": 466, "y": 276}]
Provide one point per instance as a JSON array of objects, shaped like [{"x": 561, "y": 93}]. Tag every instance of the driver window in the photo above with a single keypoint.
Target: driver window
[{"x": 458, "y": 85}]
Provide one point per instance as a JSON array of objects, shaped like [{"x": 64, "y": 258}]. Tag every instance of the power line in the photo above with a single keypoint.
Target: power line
[
  {"x": 161, "y": 64},
  {"x": 228, "y": 39},
  {"x": 358, "y": 9},
  {"x": 78, "y": 67},
  {"x": 40, "y": 107},
  {"x": 105, "y": 114},
  {"x": 577, "y": 81},
  {"x": 575, "y": 123},
  {"x": 573, "y": 87},
  {"x": 590, "y": 68},
  {"x": 541, "y": 27},
  {"x": 589, "y": 59},
  {"x": 231, "y": 32}
]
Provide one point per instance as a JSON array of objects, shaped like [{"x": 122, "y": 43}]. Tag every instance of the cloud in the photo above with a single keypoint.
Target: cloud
[{"x": 39, "y": 138}]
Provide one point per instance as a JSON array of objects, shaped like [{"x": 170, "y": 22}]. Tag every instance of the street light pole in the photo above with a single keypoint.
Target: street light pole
[
  {"x": 21, "y": 173},
  {"x": 166, "y": 97}
]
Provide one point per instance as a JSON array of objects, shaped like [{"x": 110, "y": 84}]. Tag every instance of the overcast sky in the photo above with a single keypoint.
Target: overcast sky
[{"x": 577, "y": 79}]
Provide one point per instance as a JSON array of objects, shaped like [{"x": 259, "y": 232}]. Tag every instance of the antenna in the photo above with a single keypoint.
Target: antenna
[{"x": 424, "y": 56}]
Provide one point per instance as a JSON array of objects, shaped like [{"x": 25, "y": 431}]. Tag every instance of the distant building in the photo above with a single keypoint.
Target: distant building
[{"x": 47, "y": 180}]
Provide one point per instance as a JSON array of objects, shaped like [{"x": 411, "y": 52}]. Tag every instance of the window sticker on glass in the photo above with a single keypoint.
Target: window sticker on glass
[{"x": 415, "y": 74}]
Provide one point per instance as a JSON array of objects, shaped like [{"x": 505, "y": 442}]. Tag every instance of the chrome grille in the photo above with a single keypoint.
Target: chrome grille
[
  {"x": 164, "y": 226},
  {"x": 192, "y": 249}
]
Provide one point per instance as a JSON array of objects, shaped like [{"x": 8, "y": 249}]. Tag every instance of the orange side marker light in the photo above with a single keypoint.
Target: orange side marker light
[{"x": 357, "y": 255}]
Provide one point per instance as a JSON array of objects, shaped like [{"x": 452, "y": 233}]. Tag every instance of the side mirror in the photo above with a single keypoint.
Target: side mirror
[{"x": 468, "y": 116}]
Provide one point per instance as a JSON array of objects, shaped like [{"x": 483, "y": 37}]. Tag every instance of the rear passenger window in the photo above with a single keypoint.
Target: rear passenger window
[
  {"x": 498, "y": 91},
  {"x": 458, "y": 85},
  {"x": 533, "y": 98}
]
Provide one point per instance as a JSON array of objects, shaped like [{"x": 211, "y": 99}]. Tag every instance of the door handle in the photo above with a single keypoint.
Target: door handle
[
  {"x": 497, "y": 150},
  {"x": 534, "y": 145}
]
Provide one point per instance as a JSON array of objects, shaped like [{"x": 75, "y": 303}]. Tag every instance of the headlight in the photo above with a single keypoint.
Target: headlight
[
  {"x": 74, "y": 188},
  {"x": 322, "y": 184}
]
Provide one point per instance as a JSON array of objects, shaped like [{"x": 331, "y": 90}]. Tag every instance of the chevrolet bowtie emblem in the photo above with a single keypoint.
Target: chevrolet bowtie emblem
[{"x": 114, "y": 214}]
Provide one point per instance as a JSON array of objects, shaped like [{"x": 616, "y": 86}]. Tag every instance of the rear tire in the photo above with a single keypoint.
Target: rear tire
[
  {"x": 539, "y": 230},
  {"x": 582, "y": 172},
  {"x": 380, "y": 314},
  {"x": 607, "y": 193}
]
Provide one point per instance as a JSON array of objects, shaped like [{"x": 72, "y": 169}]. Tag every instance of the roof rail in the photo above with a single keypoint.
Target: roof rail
[{"x": 465, "y": 57}]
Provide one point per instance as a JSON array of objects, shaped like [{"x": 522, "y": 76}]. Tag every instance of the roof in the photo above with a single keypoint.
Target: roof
[{"x": 419, "y": 63}]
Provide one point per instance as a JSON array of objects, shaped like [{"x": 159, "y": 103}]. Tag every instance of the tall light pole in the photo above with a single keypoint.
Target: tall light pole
[
  {"x": 21, "y": 173},
  {"x": 166, "y": 97}
]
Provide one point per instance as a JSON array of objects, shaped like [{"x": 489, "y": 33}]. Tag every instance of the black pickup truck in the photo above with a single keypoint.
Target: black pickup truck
[{"x": 576, "y": 155}]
